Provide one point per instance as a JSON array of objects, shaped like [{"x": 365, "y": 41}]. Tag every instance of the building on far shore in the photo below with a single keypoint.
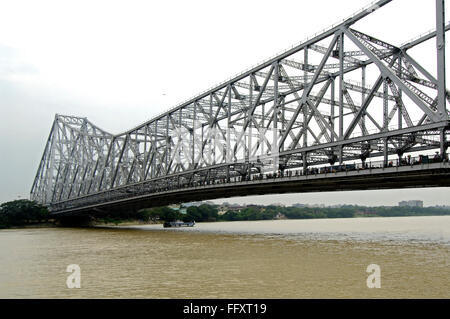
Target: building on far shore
[
  {"x": 196, "y": 204},
  {"x": 411, "y": 203},
  {"x": 222, "y": 209}
]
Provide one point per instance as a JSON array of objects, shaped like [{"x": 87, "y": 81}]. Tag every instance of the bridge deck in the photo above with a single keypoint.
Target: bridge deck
[{"x": 408, "y": 176}]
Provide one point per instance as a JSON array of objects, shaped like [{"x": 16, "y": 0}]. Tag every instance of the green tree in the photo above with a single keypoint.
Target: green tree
[
  {"x": 162, "y": 213},
  {"x": 202, "y": 213},
  {"x": 21, "y": 212},
  {"x": 230, "y": 215}
]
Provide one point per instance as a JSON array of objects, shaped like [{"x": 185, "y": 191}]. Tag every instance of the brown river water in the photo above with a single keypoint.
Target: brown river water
[{"x": 324, "y": 258}]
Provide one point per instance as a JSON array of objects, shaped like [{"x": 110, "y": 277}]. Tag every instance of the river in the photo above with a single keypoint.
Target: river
[{"x": 321, "y": 258}]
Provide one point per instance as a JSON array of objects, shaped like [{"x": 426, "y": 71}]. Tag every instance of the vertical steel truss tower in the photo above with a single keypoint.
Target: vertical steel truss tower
[{"x": 339, "y": 96}]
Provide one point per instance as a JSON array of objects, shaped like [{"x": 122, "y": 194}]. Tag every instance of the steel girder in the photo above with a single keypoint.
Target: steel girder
[{"x": 332, "y": 98}]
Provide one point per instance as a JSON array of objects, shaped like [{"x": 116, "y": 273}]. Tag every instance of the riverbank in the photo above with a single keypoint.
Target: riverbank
[
  {"x": 37, "y": 225},
  {"x": 20, "y": 214},
  {"x": 125, "y": 223}
]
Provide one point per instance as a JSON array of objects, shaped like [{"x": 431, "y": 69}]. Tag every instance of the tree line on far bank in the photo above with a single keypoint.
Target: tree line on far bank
[
  {"x": 210, "y": 213},
  {"x": 25, "y": 212}
]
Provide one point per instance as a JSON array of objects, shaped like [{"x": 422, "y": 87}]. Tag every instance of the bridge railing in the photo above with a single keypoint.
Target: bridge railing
[{"x": 350, "y": 166}]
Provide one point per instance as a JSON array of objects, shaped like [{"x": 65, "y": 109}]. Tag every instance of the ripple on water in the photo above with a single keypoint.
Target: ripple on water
[
  {"x": 270, "y": 259},
  {"x": 412, "y": 230}
]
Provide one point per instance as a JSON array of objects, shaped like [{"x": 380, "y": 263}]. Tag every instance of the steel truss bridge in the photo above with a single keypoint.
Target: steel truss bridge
[{"x": 343, "y": 110}]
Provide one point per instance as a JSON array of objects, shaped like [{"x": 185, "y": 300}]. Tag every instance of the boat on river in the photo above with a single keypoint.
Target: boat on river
[{"x": 178, "y": 224}]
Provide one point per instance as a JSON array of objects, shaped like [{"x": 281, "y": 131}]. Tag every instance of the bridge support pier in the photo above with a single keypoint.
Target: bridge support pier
[{"x": 75, "y": 221}]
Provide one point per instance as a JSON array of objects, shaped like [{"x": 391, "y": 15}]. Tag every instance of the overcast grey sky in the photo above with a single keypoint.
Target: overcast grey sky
[{"x": 120, "y": 63}]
